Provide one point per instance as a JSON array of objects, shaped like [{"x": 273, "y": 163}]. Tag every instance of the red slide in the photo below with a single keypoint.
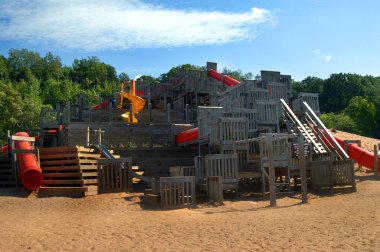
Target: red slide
[
  {"x": 187, "y": 136},
  {"x": 361, "y": 156},
  {"x": 228, "y": 80},
  {"x": 30, "y": 172},
  {"x": 102, "y": 105}
]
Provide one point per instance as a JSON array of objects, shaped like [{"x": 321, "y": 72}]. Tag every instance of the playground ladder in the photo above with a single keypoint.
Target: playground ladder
[{"x": 303, "y": 128}]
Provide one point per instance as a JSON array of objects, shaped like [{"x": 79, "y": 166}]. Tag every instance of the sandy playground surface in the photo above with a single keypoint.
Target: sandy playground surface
[{"x": 335, "y": 221}]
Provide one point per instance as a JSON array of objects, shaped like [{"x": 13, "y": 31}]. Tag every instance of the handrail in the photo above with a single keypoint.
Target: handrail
[
  {"x": 320, "y": 124},
  {"x": 299, "y": 123}
]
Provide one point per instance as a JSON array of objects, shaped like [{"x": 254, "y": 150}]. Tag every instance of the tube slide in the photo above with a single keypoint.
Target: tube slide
[
  {"x": 102, "y": 105},
  {"x": 361, "y": 156},
  {"x": 187, "y": 136},
  {"x": 228, "y": 80},
  {"x": 30, "y": 172}
]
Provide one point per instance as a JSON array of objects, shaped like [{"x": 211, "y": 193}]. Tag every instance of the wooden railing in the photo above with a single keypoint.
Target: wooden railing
[
  {"x": 177, "y": 192},
  {"x": 115, "y": 175}
]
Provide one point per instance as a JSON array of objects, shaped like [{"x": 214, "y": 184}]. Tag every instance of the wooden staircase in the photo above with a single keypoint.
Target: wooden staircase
[{"x": 62, "y": 174}]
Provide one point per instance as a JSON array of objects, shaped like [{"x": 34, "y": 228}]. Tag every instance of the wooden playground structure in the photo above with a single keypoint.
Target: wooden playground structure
[{"x": 254, "y": 130}]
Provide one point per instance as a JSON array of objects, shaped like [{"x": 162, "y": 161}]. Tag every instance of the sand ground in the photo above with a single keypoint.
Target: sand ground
[{"x": 339, "y": 221}]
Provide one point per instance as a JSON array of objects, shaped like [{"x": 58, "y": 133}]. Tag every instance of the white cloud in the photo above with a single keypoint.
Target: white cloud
[
  {"x": 322, "y": 56},
  {"x": 117, "y": 24}
]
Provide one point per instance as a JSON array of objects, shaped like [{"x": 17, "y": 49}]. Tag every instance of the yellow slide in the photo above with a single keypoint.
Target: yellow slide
[{"x": 137, "y": 102}]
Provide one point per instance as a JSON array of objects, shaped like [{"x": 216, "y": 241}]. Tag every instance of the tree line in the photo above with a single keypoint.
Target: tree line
[
  {"x": 30, "y": 82},
  {"x": 348, "y": 102}
]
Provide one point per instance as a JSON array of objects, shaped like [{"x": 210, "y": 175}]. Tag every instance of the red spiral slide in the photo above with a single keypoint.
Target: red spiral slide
[{"x": 30, "y": 172}]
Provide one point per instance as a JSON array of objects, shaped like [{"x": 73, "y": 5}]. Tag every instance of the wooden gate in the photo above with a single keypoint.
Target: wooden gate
[{"x": 115, "y": 175}]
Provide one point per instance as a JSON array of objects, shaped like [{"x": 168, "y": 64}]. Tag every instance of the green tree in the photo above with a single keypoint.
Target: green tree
[
  {"x": 18, "y": 112},
  {"x": 237, "y": 74},
  {"x": 363, "y": 112},
  {"x": 313, "y": 85},
  {"x": 338, "y": 90},
  {"x": 339, "y": 122},
  {"x": 22, "y": 61},
  {"x": 4, "y": 74}
]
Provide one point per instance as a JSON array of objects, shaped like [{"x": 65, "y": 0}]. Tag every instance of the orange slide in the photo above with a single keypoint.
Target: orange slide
[{"x": 137, "y": 102}]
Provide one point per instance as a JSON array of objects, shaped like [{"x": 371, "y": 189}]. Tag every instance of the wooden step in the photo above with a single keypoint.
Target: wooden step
[
  {"x": 60, "y": 168},
  {"x": 90, "y": 181},
  {"x": 5, "y": 171},
  {"x": 63, "y": 182},
  {"x": 48, "y": 156},
  {"x": 89, "y": 174},
  {"x": 62, "y": 191},
  {"x": 58, "y": 162},
  {"x": 63, "y": 175}
]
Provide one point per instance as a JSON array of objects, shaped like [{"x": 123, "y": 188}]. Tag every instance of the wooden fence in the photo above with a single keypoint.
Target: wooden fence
[
  {"x": 200, "y": 173},
  {"x": 115, "y": 175},
  {"x": 224, "y": 165},
  {"x": 177, "y": 192}
]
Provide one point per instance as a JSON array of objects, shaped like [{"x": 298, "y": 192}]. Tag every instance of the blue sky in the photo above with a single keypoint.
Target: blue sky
[{"x": 298, "y": 37}]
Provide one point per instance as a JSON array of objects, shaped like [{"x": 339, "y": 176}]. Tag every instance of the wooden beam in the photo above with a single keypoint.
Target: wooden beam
[
  {"x": 272, "y": 176},
  {"x": 302, "y": 159}
]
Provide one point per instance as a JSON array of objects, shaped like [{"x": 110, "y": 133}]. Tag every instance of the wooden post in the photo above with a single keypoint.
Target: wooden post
[
  {"x": 42, "y": 128},
  {"x": 99, "y": 136},
  {"x": 214, "y": 186},
  {"x": 58, "y": 112},
  {"x": 347, "y": 142},
  {"x": 88, "y": 137},
  {"x": 168, "y": 111},
  {"x": 376, "y": 160},
  {"x": 110, "y": 110},
  {"x": 8, "y": 143},
  {"x": 150, "y": 112},
  {"x": 165, "y": 101},
  {"x": 131, "y": 113},
  {"x": 187, "y": 113},
  {"x": 302, "y": 159},
  {"x": 109, "y": 134},
  {"x": 68, "y": 113},
  {"x": 272, "y": 175}
]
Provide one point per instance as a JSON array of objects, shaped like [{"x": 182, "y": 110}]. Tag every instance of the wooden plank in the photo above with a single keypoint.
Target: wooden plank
[
  {"x": 87, "y": 168},
  {"x": 62, "y": 175},
  {"x": 60, "y": 168},
  {"x": 63, "y": 182},
  {"x": 62, "y": 191},
  {"x": 59, "y": 162},
  {"x": 65, "y": 155},
  {"x": 58, "y": 149},
  {"x": 89, "y": 174},
  {"x": 88, "y": 155}
]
